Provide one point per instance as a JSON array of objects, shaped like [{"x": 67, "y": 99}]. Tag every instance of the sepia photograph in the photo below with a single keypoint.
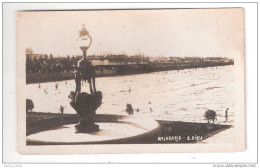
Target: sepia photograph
[{"x": 130, "y": 81}]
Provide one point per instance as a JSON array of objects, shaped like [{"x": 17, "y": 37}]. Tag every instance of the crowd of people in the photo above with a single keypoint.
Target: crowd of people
[{"x": 51, "y": 65}]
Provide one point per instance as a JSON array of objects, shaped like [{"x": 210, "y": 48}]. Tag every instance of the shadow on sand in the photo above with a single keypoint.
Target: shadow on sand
[{"x": 187, "y": 132}]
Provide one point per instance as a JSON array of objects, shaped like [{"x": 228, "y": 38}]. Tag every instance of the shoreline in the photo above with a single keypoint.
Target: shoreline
[{"x": 32, "y": 78}]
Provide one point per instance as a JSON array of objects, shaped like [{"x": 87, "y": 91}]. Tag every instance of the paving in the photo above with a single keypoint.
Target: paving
[{"x": 128, "y": 128}]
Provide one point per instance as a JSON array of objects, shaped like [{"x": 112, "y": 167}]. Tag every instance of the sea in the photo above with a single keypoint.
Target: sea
[{"x": 177, "y": 95}]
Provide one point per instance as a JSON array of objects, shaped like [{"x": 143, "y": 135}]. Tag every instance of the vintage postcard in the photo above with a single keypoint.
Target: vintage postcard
[{"x": 130, "y": 81}]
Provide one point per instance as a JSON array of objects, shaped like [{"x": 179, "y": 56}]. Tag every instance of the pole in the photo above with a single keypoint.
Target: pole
[{"x": 84, "y": 54}]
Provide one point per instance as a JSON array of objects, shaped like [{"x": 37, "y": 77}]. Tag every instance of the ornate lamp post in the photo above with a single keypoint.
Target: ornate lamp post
[
  {"x": 85, "y": 104},
  {"x": 84, "y": 35},
  {"x": 87, "y": 71}
]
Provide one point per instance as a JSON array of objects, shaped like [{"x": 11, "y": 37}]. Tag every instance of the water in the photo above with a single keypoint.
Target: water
[{"x": 182, "y": 95}]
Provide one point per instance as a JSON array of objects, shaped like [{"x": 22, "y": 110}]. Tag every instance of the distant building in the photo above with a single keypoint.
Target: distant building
[
  {"x": 176, "y": 60},
  {"x": 31, "y": 56},
  {"x": 99, "y": 62},
  {"x": 192, "y": 59},
  {"x": 118, "y": 60},
  {"x": 29, "y": 51},
  {"x": 216, "y": 59},
  {"x": 158, "y": 59}
]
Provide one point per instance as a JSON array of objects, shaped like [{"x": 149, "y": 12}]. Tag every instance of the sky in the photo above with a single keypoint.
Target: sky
[{"x": 174, "y": 32}]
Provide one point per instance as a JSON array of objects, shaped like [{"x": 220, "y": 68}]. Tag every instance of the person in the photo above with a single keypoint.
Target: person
[
  {"x": 226, "y": 114},
  {"x": 129, "y": 109},
  {"x": 61, "y": 109},
  {"x": 39, "y": 85},
  {"x": 151, "y": 110}
]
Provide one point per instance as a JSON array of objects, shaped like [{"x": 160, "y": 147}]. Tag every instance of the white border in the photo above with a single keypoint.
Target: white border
[{"x": 9, "y": 90}]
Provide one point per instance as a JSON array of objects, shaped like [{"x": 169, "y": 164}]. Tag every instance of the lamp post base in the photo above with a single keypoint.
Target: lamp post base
[
  {"x": 86, "y": 106},
  {"x": 86, "y": 128}
]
